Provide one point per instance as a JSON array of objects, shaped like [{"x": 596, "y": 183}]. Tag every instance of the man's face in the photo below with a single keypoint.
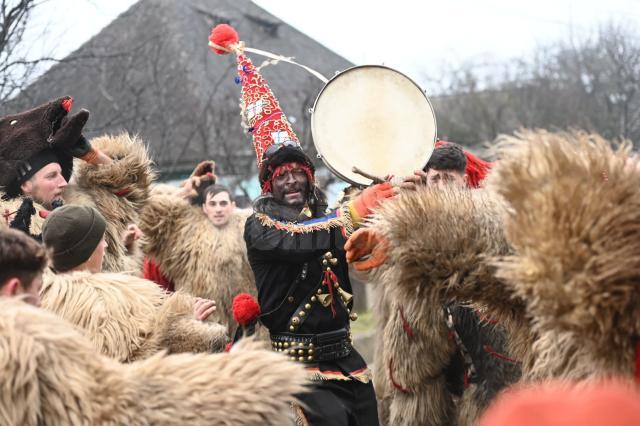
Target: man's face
[
  {"x": 218, "y": 208},
  {"x": 442, "y": 178},
  {"x": 46, "y": 185},
  {"x": 31, "y": 291},
  {"x": 291, "y": 186}
]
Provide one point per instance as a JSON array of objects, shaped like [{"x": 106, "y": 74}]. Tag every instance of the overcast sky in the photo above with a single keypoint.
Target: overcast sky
[{"x": 417, "y": 37}]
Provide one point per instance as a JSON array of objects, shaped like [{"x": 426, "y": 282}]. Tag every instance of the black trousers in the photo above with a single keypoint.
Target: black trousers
[{"x": 340, "y": 403}]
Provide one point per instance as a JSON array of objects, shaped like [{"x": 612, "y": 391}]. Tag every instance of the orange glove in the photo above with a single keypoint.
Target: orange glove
[
  {"x": 366, "y": 242},
  {"x": 369, "y": 199}
]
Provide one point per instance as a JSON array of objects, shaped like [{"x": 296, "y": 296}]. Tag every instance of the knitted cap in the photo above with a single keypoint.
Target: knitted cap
[{"x": 72, "y": 233}]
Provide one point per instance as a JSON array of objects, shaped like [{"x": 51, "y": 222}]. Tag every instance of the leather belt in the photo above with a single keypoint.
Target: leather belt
[{"x": 312, "y": 348}]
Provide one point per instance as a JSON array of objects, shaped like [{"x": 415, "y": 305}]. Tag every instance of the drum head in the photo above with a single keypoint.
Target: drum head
[{"x": 376, "y": 119}]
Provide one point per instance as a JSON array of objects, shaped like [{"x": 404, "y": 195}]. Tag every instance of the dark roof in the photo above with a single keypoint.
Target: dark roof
[{"x": 150, "y": 72}]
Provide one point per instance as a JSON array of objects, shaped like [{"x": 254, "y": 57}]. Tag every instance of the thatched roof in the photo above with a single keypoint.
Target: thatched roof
[{"x": 150, "y": 72}]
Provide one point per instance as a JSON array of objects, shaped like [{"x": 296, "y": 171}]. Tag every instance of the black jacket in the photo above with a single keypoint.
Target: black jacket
[{"x": 287, "y": 261}]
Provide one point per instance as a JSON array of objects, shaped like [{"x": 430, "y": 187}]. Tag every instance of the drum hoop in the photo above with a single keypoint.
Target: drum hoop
[{"x": 315, "y": 103}]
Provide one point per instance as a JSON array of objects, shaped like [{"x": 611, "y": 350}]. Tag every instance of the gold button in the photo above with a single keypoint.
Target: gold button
[
  {"x": 310, "y": 358},
  {"x": 325, "y": 263},
  {"x": 292, "y": 358},
  {"x": 307, "y": 306},
  {"x": 353, "y": 316},
  {"x": 291, "y": 328},
  {"x": 328, "y": 269},
  {"x": 336, "y": 285},
  {"x": 302, "y": 313},
  {"x": 300, "y": 352},
  {"x": 295, "y": 320},
  {"x": 292, "y": 351},
  {"x": 301, "y": 359},
  {"x": 286, "y": 344},
  {"x": 290, "y": 299},
  {"x": 311, "y": 345},
  {"x": 313, "y": 298},
  {"x": 319, "y": 291},
  {"x": 334, "y": 261},
  {"x": 279, "y": 344},
  {"x": 310, "y": 351},
  {"x": 328, "y": 255}
]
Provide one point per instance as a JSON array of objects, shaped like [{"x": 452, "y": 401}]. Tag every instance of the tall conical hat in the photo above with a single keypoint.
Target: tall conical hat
[{"x": 274, "y": 140}]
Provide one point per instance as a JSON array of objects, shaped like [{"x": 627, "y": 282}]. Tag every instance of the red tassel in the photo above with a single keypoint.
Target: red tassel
[
  {"x": 223, "y": 35},
  {"x": 329, "y": 279},
  {"x": 245, "y": 308}
]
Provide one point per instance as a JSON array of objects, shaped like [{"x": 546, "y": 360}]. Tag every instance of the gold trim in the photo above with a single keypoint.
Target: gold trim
[{"x": 296, "y": 228}]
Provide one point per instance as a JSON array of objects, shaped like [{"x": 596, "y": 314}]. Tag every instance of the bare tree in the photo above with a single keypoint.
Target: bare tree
[
  {"x": 16, "y": 68},
  {"x": 592, "y": 83}
]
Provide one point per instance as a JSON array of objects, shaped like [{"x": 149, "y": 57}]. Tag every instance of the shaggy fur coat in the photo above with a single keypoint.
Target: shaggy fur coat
[
  {"x": 574, "y": 222},
  {"x": 51, "y": 375},
  {"x": 442, "y": 247},
  {"x": 129, "y": 318},
  {"x": 199, "y": 258},
  {"x": 119, "y": 191}
]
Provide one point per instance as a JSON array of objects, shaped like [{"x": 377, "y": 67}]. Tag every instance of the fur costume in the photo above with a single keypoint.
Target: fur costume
[
  {"x": 574, "y": 222},
  {"x": 129, "y": 318},
  {"x": 51, "y": 375},
  {"x": 119, "y": 191},
  {"x": 197, "y": 257},
  {"x": 442, "y": 247}
]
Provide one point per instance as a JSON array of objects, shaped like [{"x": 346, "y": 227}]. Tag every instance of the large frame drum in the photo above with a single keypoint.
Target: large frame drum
[{"x": 376, "y": 119}]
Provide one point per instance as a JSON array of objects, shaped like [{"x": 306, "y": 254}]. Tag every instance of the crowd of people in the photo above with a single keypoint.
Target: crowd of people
[{"x": 507, "y": 292}]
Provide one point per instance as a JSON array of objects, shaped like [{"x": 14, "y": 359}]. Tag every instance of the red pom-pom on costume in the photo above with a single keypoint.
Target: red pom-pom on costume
[
  {"x": 245, "y": 309},
  {"x": 222, "y": 35}
]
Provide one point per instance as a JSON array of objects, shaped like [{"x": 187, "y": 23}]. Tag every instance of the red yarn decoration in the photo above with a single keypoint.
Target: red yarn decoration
[
  {"x": 245, "y": 309},
  {"x": 223, "y": 35}
]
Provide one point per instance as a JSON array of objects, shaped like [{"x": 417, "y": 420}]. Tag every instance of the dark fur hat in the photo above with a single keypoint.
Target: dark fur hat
[{"x": 32, "y": 139}]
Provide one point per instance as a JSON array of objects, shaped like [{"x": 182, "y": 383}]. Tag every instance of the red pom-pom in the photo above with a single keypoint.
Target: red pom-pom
[
  {"x": 245, "y": 308},
  {"x": 222, "y": 35}
]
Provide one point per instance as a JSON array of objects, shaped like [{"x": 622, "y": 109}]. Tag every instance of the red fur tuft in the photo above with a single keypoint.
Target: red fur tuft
[
  {"x": 223, "y": 35},
  {"x": 245, "y": 309},
  {"x": 67, "y": 104}
]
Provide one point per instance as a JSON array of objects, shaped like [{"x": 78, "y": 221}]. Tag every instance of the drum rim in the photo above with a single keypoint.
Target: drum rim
[{"x": 313, "y": 109}]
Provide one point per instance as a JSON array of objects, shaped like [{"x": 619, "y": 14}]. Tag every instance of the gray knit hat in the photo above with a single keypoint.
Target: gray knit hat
[{"x": 72, "y": 233}]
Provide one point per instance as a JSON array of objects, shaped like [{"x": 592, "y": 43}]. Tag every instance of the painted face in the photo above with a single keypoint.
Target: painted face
[
  {"x": 218, "y": 208},
  {"x": 441, "y": 178},
  {"x": 46, "y": 185},
  {"x": 291, "y": 185}
]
